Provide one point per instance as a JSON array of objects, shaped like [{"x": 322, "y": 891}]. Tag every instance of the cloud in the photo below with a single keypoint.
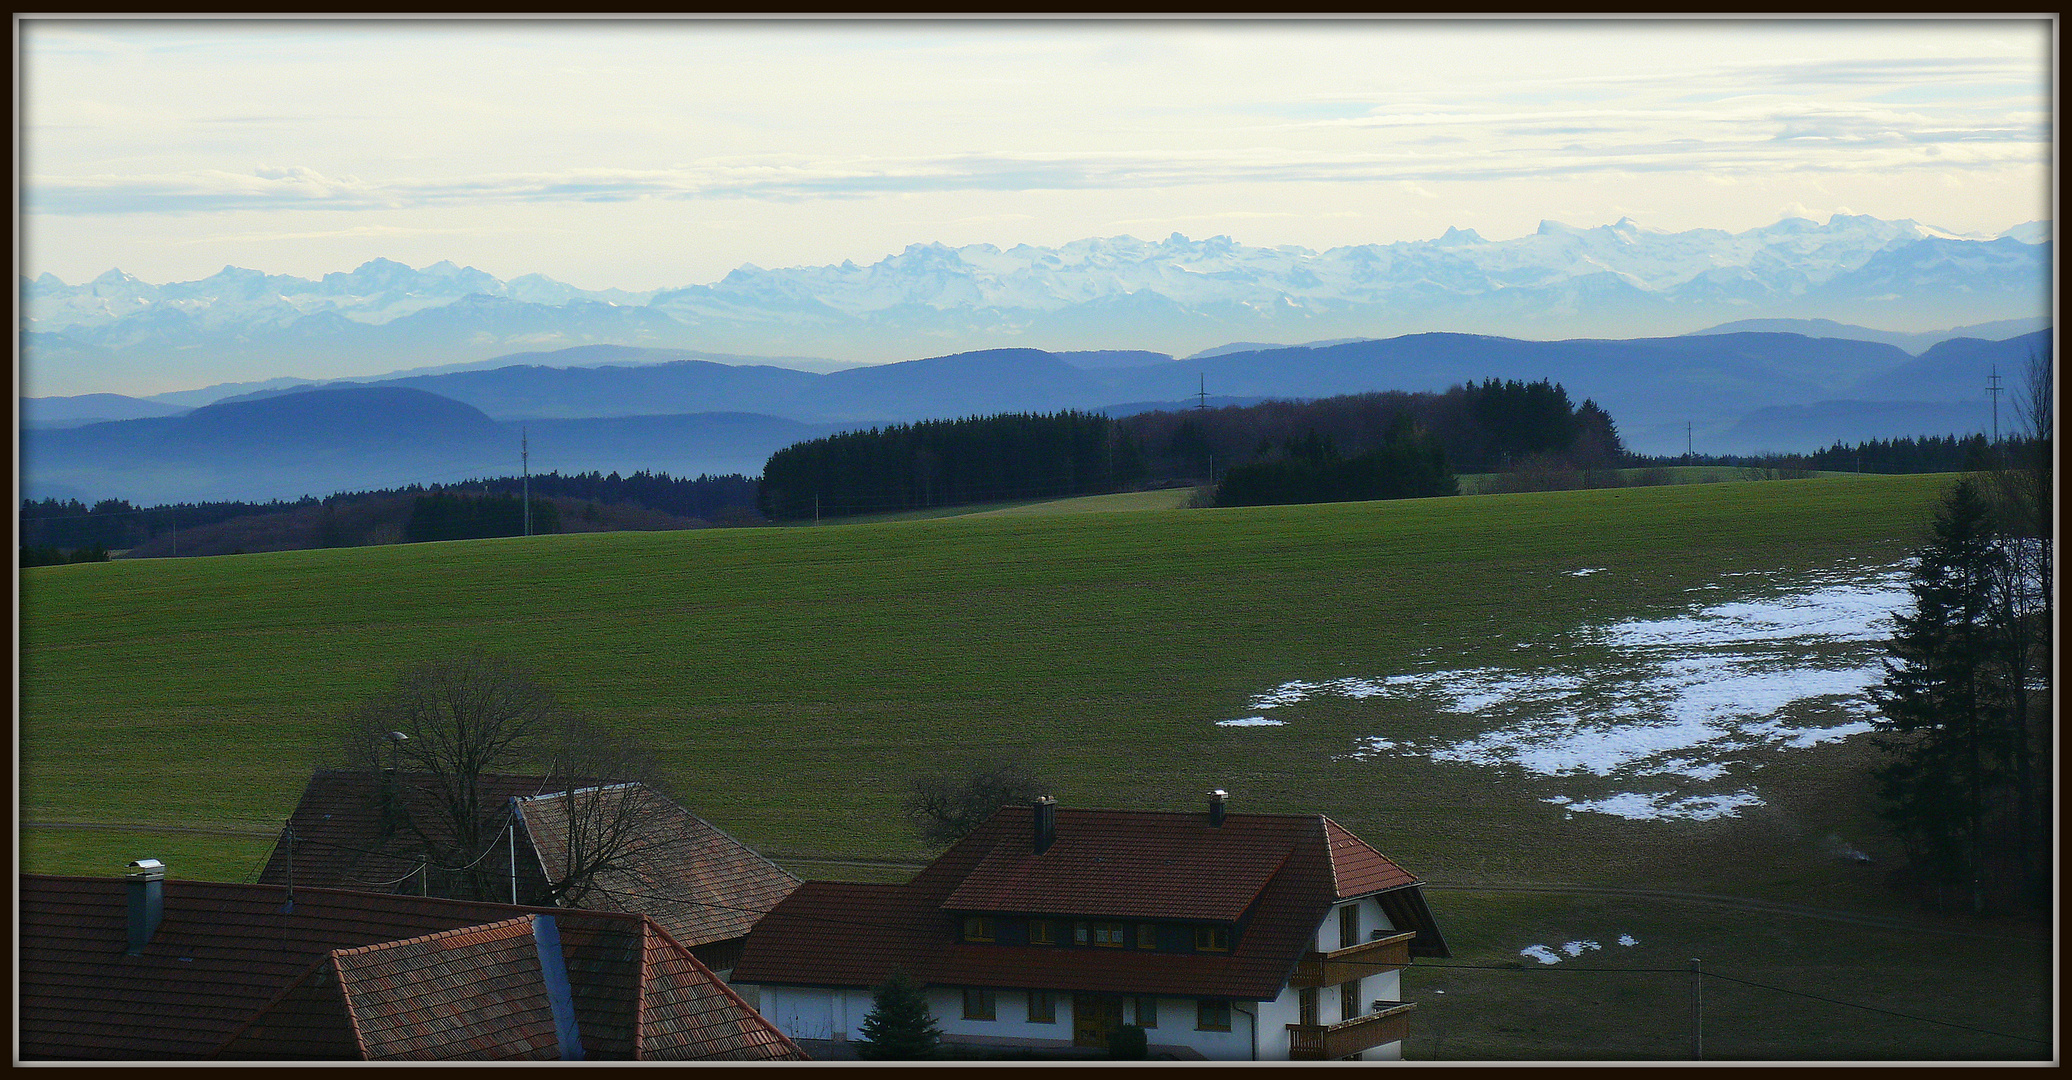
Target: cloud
[{"x": 1835, "y": 140}]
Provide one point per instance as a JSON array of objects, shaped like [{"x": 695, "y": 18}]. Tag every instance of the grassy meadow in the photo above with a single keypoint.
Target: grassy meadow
[{"x": 795, "y": 679}]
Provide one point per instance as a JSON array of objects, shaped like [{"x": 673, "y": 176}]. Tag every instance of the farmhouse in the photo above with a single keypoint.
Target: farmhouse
[
  {"x": 1225, "y": 936},
  {"x": 146, "y": 968},
  {"x": 613, "y": 847}
]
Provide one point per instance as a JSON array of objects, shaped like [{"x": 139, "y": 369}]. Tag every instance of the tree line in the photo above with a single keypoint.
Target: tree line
[
  {"x": 1388, "y": 444},
  {"x": 1904, "y": 455},
  {"x": 68, "y": 530},
  {"x": 950, "y": 463}
]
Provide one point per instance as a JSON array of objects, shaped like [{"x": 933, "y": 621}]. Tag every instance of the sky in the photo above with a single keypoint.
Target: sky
[{"x": 640, "y": 154}]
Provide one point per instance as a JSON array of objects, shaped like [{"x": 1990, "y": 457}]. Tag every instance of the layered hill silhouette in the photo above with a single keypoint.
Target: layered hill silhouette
[
  {"x": 1725, "y": 393},
  {"x": 332, "y": 439}
]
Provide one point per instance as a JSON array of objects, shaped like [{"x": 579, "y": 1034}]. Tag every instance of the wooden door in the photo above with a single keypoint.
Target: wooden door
[
  {"x": 1308, "y": 1000},
  {"x": 1094, "y": 1016}
]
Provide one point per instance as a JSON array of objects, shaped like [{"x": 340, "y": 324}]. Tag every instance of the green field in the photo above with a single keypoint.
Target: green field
[{"x": 795, "y": 679}]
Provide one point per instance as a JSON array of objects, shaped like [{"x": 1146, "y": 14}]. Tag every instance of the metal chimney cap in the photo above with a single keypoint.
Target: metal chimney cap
[
  {"x": 1219, "y": 793},
  {"x": 147, "y": 869}
]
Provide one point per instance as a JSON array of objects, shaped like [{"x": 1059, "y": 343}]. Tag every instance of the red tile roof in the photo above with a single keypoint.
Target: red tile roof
[
  {"x": 234, "y": 968},
  {"x": 473, "y": 993},
  {"x": 1277, "y": 876},
  {"x": 1359, "y": 869},
  {"x": 1126, "y": 865},
  {"x": 701, "y": 884}
]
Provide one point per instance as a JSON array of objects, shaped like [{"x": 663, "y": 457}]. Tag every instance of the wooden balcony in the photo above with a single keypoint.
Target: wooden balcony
[
  {"x": 1316, "y": 1042},
  {"x": 1375, "y": 957}
]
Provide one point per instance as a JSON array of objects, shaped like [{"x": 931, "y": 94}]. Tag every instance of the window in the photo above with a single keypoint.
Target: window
[
  {"x": 977, "y": 928},
  {"x": 978, "y": 1004},
  {"x": 1147, "y": 1012},
  {"x": 1211, "y": 939},
  {"x": 1080, "y": 933},
  {"x": 1043, "y": 1007},
  {"x": 1147, "y": 935},
  {"x": 1110, "y": 934},
  {"x": 1349, "y": 999},
  {"x": 1349, "y": 926},
  {"x": 1211, "y": 1015},
  {"x": 1043, "y": 932}
]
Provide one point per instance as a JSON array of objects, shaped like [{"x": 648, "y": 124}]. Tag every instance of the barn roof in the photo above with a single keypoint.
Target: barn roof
[{"x": 701, "y": 884}]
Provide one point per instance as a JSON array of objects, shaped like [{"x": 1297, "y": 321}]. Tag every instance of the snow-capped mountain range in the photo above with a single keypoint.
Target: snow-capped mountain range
[{"x": 120, "y": 334}]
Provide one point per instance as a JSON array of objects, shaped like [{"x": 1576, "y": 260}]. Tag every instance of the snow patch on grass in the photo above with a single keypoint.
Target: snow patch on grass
[
  {"x": 1251, "y": 721},
  {"x": 1680, "y": 699}
]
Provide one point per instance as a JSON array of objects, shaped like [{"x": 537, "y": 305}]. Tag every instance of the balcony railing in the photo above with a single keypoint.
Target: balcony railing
[
  {"x": 1375, "y": 957},
  {"x": 1317, "y": 1042}
]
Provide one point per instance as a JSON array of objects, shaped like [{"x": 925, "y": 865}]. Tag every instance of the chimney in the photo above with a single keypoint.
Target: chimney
[
  {"x": 546, "y": 938},
  {"x": 1216, "y": 807},
  {"x": 146, "y": 903},
  {"x": 1046, "y": 823}
]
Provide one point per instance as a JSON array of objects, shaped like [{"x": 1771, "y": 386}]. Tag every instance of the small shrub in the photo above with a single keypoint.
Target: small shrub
[{"x": 1128, "y": 1043}]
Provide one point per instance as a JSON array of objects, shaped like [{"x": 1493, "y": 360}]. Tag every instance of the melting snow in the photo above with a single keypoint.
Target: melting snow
[
  {"x": 1680, "y": 700},
  {"x": 1627, "y": 939},
  {"x": 1250, "y": 721},
  {"x": 1586, "y": 572},
  {"x": 1546, "y": 955}
]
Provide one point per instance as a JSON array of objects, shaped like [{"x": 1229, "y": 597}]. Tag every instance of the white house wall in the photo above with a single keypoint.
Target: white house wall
[
  {"x": 1372, "y": 918},
  {"x": 826, "y": 1013},
  {"x": 1274, "y": 1018}
]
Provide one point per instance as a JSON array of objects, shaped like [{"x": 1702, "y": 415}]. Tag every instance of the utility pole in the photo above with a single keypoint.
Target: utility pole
[
  {"x": 525, "y": 465},
  {"x": 1201, "y": 399},
  {"x": 1687, "y": 439},
  {"x": 1697, "y": 1012},
  {"x": 1993, "y": 387}
]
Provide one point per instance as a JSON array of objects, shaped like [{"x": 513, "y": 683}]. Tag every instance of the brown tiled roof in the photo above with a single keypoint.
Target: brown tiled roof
[
  {"x": 1275, "y": 875},
  {"x": 1359, "y": 869},
  {"x": 687, "y": 1015},
  {"x": 473, "y": 993},
  {"x": 232, "y": 967},
  {"x": 339, "y": 836},
  {"x": 701, "y": 884},
  {"x": 1128, "y": 865}
]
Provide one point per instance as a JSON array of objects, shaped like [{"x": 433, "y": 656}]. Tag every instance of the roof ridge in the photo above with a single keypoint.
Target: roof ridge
[
  {"x": 664, "y": 938},
  {"x": 352, "y": 1015},
  {"x": 478, "y": 928},
  {"x": 1331, "y": 852},
  {"x": 640, "y": 997}
]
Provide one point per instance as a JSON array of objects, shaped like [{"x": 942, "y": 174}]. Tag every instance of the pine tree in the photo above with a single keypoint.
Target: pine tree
[
  {"x": 899, "y": 1026},
  {"x": 1945, "y": 701}
]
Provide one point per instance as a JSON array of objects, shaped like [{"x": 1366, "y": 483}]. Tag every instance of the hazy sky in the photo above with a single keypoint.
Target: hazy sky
[{"x": 644, "y": 154}]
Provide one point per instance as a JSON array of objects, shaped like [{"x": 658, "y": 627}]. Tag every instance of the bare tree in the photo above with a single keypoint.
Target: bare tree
[
  {"x": 2021, "y": 610},
  {"x": 946, "y": 806},
  {"x": 445, "y": 725},
  {"x": 606, "y": 816}
]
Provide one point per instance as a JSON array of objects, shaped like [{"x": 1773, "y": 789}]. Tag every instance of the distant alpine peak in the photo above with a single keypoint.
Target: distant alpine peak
[{"x": 1551, "y": 274}]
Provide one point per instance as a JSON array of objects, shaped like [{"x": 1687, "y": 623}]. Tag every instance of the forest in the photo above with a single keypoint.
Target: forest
[
  {"x": 950, "y": 463},
  {"x": 1390, "y": 444}
]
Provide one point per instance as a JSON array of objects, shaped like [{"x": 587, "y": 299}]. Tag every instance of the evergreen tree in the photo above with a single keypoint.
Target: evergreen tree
[
  {"x": 899, "y": 1026},
  {"x": 1945, "y": 702}
]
